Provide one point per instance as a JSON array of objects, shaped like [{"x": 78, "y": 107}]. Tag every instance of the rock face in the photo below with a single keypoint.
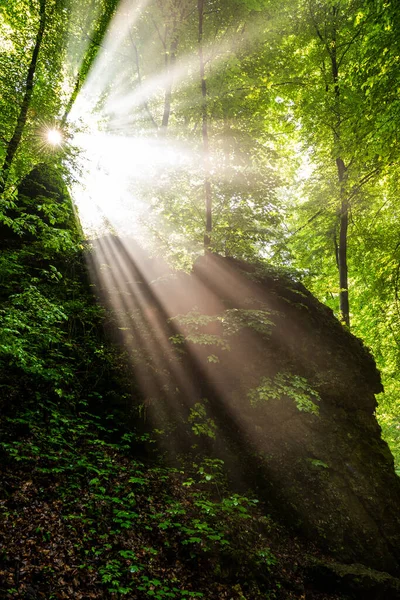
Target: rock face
[
  {"x": 292, "y": 393},
  {"x": 329, "y": 473}
]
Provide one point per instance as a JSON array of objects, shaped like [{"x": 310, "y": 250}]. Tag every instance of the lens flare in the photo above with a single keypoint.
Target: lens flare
[{"x": 54, "y": 137}]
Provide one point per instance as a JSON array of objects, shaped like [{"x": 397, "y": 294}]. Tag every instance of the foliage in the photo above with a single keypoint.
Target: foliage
[
  {"x": 124, "y": 519},
  {"x": 201, "y": 425},
  {"x": 49, "y": 322},
  {"x": 229, "y": 323},
  {"x": 100, "y": 518},
  {"x": 285, "y": 385}
]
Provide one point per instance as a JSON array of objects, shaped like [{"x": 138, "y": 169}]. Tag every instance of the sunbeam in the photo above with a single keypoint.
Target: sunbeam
[
  {"x": 118, "y": 171},
  {"x": 116, "y": 105},
  {"x": 135, "y": 158}
]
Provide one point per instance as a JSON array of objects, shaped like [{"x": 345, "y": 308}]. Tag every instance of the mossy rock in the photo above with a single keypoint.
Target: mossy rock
[
  {"x": 326, "y": 472},
  {"x": 43, "y": 200}
]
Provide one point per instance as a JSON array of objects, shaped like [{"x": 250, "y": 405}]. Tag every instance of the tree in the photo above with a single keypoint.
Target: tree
[
  {"x": 204, "y": 130},
  {"x": 329, "y": 108},
  {"x": 15, "y": 140}
]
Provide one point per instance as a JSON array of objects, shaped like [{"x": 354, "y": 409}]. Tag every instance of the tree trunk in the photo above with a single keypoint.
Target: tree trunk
[
  {"x": 71, "y": 101},
  {"x": 342, "y": 249},
  {"x": 21, "y": 121},
  {"x": 341, "y": 171},
  {"x": 206, "y": 152}
]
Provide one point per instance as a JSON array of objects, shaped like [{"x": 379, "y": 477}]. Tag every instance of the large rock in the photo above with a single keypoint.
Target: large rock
[{"x": 291, "y": 393}]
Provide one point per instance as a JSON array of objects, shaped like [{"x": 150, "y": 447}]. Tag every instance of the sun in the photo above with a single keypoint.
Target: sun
[{"x": 54, "y": 137}]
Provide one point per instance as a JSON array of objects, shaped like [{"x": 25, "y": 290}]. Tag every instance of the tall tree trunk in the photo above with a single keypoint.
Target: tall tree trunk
[
  {"x": 206, "y": 151},
  {"x": 343, "y": 212},
  {"x": 21, "y": 121},
  {"x": 342, "y": 248}
]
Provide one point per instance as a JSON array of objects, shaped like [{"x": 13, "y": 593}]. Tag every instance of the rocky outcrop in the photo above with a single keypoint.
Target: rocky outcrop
[{"x": 289, "y": 391}]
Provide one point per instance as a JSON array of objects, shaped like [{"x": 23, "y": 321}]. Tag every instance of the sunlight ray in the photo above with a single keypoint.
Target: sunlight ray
[
  {"x": 118, "y": 164},
  {"x": 103, "y": 71},
  {"x": 83, "y": 20},
  {"x": 128, "y": 167},
  {"x": 141, "y": 325}
]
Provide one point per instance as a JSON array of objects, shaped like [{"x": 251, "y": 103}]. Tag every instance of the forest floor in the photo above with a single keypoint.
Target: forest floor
[{"x": 81, "y": 518}]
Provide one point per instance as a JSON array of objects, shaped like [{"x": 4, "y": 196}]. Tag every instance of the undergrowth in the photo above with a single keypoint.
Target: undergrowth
[
  {"x": 87, "y": 508},
  {"x": 83, "y": 513}
]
